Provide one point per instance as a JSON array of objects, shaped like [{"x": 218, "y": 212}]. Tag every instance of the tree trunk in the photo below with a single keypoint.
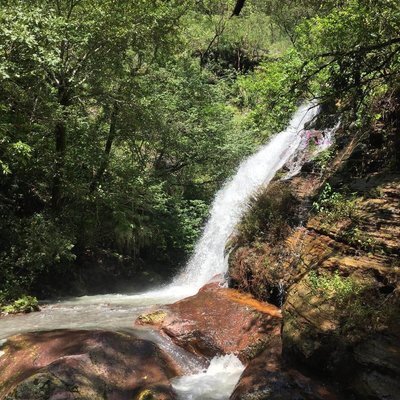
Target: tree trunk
[
  {"x": 238, "y": 7},
  {"x": 60, "y": 136},
  {"x": 107, "y": 149}
]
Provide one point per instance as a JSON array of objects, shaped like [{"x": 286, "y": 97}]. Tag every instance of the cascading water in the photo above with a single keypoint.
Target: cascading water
[
  {"x": 214, "y": 383},
  {"x": 118, "y": 311},
  {"x": 296, "y": 161},
  {"x": 230, "y": 202}
]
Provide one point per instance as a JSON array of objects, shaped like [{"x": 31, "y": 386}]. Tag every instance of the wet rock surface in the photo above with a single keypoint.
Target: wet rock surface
[
  {"x": 218, "y": 321},
  {"x": 64, "y": 364}
]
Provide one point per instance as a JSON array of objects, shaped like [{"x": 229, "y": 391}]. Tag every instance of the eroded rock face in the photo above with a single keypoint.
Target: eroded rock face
[
  {"x": 353, "y": 342},
  {"x": 341, "y": 317},
  {"x": 340, "y": 279},
  {"x": 63, "y": 365},
  {"x": 218, "y": 321},
  {"x": 267, "y": 378}
]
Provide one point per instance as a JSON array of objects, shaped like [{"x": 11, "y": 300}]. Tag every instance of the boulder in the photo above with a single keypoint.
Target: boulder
[
  {"x": 354, "y": 341},
  {"x": 218, "y": 321},
  {"x": 267, "y": 378},
  {"x": 65, "y": 364}
]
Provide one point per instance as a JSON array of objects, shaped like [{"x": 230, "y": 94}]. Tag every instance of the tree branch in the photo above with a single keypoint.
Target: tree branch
[{"x": 238, "y": 8}]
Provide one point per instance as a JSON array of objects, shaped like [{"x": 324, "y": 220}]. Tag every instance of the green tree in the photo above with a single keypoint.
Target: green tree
[{"x": 113, "y": 140}]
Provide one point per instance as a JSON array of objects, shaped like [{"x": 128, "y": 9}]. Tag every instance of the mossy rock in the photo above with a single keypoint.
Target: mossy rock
[
  {"x": 146, "y": 395},
  {"x": 154, "y": 318},
  {"x": 157, "y": 392},
  {"x": 37, "y": 387}
]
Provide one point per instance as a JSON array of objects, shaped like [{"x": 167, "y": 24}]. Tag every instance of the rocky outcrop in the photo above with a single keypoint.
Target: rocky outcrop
[
  {"x": 341, "y": 316},
  {"x": 218, "y": 321},
  {"x": 268, "y": 378},
  {"x": 336, "y": 275},
  {"x": 92, "y": 365}
]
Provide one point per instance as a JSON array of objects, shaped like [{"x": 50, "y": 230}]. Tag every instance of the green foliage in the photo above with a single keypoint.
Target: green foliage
[
  {"x": 334, "y": 206},
  {"x": 342, "y": 290},
  {"x": 229, "y": 45},
  {"x": 33, "y": 246},
  {"x": 271, "y": 214},
  {"x": 323, "y": 159},
  {"x": 347, "y": 52},
  {"x": 360, "y": 239},
  {"x": 25, "y": 304},
  {"x": 112, "y": 139},
  {"x": 266, "y": 94},
  {"x": 358, "y": 306},
  {"x": 351, "y": 51},
  {"x": 191, "y": 216}
]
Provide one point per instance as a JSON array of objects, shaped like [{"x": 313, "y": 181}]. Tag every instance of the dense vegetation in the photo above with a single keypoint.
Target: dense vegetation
[{"x": 119, "y": 120}]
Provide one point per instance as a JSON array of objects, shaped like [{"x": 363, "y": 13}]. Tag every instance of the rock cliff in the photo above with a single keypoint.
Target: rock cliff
[{"x": 325, "y": 245}]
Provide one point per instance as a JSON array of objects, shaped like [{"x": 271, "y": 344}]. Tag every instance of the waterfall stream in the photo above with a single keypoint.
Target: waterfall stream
[
  {"x": 119, "y": 311},
  {"x": 230, "y": 202}
]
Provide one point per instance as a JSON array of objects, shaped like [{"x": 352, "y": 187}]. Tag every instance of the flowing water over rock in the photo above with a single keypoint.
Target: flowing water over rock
[
  {"x": 118, "y": 312},
  {"x": 212, "y": 384},
  {"x": 231, "y": 201}
]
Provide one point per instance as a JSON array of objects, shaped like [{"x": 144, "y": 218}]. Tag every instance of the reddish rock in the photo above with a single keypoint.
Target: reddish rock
[
  {"x": 267, "y": 378},
  {"x": 61, "y": 365},
  {"x": 218, "y": 321}
]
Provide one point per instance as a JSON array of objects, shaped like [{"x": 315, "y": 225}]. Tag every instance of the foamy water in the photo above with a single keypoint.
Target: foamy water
[{"x": 215, "y": 383}]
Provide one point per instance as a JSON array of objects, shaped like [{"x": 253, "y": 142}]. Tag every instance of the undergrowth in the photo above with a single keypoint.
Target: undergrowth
[
  {"x": 25, "y": 304},
  {"x": 270, "y": 215},
  {"x": 334, "y": 206},
  {"x": 358, "y": 305}
]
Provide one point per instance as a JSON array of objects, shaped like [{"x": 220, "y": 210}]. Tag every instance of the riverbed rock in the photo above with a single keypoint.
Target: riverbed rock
[
  {"x": 218, "y": 321},
  {"x": 92, "y": 365},
  {"x": 267, "y": 378}
]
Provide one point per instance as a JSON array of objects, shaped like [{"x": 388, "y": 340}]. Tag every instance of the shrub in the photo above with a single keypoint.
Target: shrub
[
  {"x": 33, "y": 248},
  {"x": 335, "y": 287},
  {"x": 359, "y": 239},
  {"x": 323, "y": 159},
  {"x": 334, "y": 206},
  {"x": 270, "y": 215},
  {"x": 25, "y": 304},
  {"x": 359, "y": 306}
]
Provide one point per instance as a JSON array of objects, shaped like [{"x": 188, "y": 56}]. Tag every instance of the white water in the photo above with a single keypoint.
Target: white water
[
  {"x": 215, "y": 383},
  {"x": 296, "y": 161},
  {"x": 230, "y": 202},
  {"x": 119, "y": 311},
  {"x": 227, "y": 209}
]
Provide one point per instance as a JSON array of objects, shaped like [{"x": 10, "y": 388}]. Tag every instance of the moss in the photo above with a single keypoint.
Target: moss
[
  {"x": 39, "y": 386},
  {"x": 153, "y": 318},
  {"x": 25, "y": 304},
  {"x": 146, "y": 395},
  {"x": 270, "y": 216}
]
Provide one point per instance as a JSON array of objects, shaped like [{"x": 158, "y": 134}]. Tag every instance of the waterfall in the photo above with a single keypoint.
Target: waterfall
[
  {"x": 209, "y": 259},
  {"x": 230, "y": 202},
  {"x": 113, "y": 311}
]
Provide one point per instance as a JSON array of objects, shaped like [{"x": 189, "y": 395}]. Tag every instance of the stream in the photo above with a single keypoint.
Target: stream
[{"x": 119, "y": 311}]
